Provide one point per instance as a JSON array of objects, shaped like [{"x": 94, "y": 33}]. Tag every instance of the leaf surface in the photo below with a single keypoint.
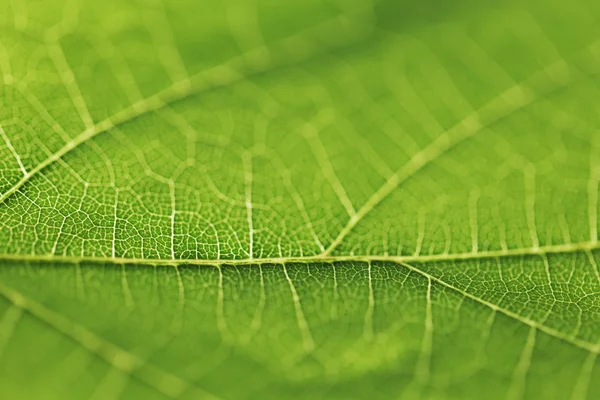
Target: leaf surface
[{"x": 230, "y": 200}]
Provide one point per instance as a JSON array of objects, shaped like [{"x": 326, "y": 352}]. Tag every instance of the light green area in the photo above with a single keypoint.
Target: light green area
[{"x": 300, "y": 199}]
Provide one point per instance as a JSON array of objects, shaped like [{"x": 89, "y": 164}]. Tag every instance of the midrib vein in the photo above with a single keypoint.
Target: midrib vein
[
  {"x": 90, "y": 340},
  {"x": 221, "y": 75},
  {"x": 524, "y": 251}
]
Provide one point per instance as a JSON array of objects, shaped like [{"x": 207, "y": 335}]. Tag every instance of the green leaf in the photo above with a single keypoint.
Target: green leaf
[{"x": 300, "y": 199}]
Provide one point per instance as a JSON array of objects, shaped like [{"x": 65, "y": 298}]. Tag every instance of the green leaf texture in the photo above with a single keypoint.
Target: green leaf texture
[{"x": 316, "y": 199}]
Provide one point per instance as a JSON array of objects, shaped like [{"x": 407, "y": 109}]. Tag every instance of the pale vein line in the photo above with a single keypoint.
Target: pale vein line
[
  {"x": 594, "y": 179},
  {"x": 220, "y": 308},
  {"x": 247, "y": 161},
  {"x": 60, "y": 230},
  {"x": 311, "y": 135},
  {"x": 67, "y": 24},
  {"x": 166, "y": 47},
  {"x": 420, "y": 232},
  {"x": 580, "y": 391},
  {"x": 20, "y": 16},
  {"x": 422, "y": 370},
  {"x": 177, "y": 323},
  {"x": 506, "y": 103},
  {"x": 79, "y": 282},
  {"x": 517, "y": 386},
  {"x": 172, "y": 216},
  {"x": 336, "y": 294},
  {"x": 368, "y": 329},
  {"x": 473, "y": 200},
  {"x": 42, "y": 111},
  {"x": 111, "y": 386},
  {"x": 244, "y": 25},
  {"x": 593, "y": 186},
  {"x": 77, "y": 364},
  {"x": 120, "y": 69},
  {"x": 8, "y": 325},
  {"x": 5, "y": 69},
  {"x": 564, "y": 226},
  {"x": 582, "y": 344},
  {"x": 549, "y": 277},
  {"x": 13, "y": 151},
  {"x": 127, "y": 296},
  {"x": 258, "y": 314},
  {"x": 307, "y": 340},
  {"x": 287, "y": 181},
  {"x": 450, "y": 257},
  {"x": 68, "y": 78},
  {"x": 125, "y": 361},
  {"x": 114, "y": 235},
  {"x": 593, "y": 207},
  {"x": 530, "y": 203},
  {"x": 594, "y": 264}
]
